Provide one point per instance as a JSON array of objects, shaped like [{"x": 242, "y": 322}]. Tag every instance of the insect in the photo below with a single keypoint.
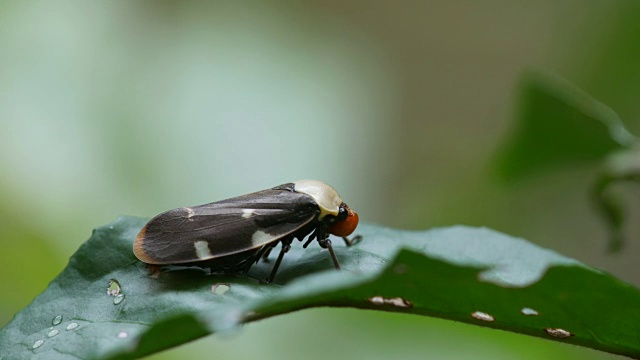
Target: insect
[{"x": 231, "y": 235}]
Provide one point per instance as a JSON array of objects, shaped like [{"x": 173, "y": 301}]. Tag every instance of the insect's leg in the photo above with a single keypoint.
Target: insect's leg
[
  {"x": 326, "y": 243},
  {"x": 265, "y": 256},
  {"x": 310, "y": 239},
  {"x": 286, "y": 245},
  {"x": 356, "y": 239},
  {"x": 245, "y": 265}
]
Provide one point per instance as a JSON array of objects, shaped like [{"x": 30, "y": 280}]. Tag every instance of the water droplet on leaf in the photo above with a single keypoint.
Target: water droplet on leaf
[
  {"x": 37, "y": 344},
  {"x": 57, "y": 320},
  {"x": 118, "y": 299},
  {"x": 53, "y": 332},
  {"x": 72, "y": 326},
  {"x": 529, "y": 312}
]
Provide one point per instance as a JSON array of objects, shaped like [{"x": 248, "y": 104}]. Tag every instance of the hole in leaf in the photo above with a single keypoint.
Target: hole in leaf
[
  {"x": 220, "y": 289},
  {"x": 113, "y": 288},
  {"x": 482, "y": 316},
  {"x": 396, "y": 301},
  {"x": 558, "y": 333}
]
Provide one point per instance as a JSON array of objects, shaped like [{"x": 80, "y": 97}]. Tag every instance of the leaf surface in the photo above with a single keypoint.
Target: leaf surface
[{"x": 474, "y": 275}]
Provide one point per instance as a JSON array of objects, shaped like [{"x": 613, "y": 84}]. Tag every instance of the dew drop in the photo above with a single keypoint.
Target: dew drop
[
  {"x": 529, "y": 312},
  {"x": 123, "y": 335},
  {"x": 52, "y": 332},
  {"x": 558, "y": 333},
  {"x": 118, "y": 299},
  {"x": 57, "y": 320},
  {"x": 482, "y": 316},
  {"x": 37, "y": 344},
  {"x": 72, "y": 326},
  {"x": 220, "y": 289},
  {"x": 113, "y": 288}
]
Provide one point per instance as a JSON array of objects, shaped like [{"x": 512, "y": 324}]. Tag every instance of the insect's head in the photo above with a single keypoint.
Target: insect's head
[{"x": 345, "y": 222}]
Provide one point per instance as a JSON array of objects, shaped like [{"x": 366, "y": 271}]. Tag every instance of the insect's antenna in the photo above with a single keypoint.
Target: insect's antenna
[{"x": 349, "y": 242}]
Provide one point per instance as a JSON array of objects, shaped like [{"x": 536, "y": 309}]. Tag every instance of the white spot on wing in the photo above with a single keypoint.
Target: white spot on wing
[
  {"x": 260, "y": 238},
  {"x": 202, "y": 249},
  {"x": 246, "y": 213}
]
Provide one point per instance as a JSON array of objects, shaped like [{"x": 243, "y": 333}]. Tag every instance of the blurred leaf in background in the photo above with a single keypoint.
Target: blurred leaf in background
[
  {"x": 27, "y": 259},
  {"x": 558, "y": 124},
  {"x": 607, "y": 63}
]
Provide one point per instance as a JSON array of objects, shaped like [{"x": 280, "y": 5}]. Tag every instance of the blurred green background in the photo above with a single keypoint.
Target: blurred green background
[{"x": 111, "y": 108}]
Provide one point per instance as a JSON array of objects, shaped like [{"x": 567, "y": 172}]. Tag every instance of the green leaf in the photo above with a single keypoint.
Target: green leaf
[
  {"x": 558, "y": 124},
  {"x": 104, "y": 305}
]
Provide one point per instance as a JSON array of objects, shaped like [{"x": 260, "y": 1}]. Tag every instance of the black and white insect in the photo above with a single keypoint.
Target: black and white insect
[{"x": 231, "y": 235}]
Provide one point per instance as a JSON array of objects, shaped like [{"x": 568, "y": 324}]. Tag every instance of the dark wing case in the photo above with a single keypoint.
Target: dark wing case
[{"x": 228, "y": 227}]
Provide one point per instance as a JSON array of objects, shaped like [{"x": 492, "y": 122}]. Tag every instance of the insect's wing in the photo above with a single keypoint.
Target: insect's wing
[{"x": 223, "y": 228}]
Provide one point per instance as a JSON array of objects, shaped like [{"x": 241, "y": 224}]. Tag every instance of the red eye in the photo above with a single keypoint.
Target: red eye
[{"x": 346, "y": 226}]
